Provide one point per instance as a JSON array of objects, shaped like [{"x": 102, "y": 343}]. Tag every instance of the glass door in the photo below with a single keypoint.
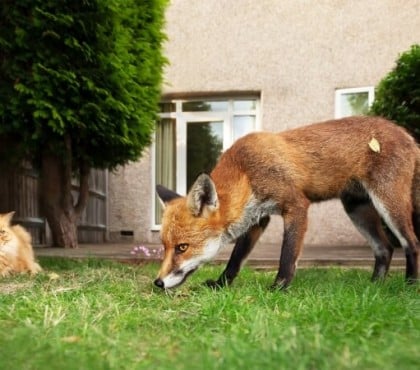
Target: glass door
[
  {"x": 204, "y": 146},
  {"x": 202, "y": 143}
]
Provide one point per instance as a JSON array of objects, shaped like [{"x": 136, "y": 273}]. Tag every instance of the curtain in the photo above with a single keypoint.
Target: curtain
[{"x": 165, "y": 159}]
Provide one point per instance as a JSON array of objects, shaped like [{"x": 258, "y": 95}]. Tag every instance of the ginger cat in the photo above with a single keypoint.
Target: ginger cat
[{"x": 16, "y": 254}]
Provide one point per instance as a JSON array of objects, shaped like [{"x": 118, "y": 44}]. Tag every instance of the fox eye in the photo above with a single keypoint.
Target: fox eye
[{"x": 181, "y": 248}]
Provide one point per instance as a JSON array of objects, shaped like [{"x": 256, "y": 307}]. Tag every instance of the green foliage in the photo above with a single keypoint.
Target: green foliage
[
  {"x": 203, "y": 150},
  {"x": 359, "y": 103},
  {"x": 103, "y": 315},
  {"x": 397, "y": 96},
  {"x": 88, "y": 70}
]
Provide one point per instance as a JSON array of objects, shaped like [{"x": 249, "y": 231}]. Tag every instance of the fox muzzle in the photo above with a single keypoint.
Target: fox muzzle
[
  {"x": 159, "y": 283},
  {"x": 174, "y": 279}
]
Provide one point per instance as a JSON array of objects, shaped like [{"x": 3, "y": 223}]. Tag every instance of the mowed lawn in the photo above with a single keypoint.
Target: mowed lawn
[{"x": 104, "y": 315}]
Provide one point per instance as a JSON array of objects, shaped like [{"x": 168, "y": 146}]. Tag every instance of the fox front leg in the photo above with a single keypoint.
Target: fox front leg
[
  {"x": 295, "y": 225},
  {"x": 243, "y": 246}
]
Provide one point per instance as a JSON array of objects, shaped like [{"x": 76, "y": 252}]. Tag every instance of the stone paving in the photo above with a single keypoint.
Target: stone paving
[{"x": 263, "y": 255}]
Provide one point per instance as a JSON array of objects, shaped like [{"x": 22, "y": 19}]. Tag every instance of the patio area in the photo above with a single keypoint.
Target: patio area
[{"x": 264, "y": 256}]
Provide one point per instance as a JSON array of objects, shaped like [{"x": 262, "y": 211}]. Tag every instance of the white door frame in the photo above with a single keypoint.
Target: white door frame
[{"x": 181, "y": 142}]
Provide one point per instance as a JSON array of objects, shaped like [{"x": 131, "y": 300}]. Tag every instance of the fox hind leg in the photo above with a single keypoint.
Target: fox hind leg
[
  {"x": 367, "y": 220},
  {"x": 398, "y": 217},
  {"x": 241, "y": 250},
  {"x": 416, "y": 223}
]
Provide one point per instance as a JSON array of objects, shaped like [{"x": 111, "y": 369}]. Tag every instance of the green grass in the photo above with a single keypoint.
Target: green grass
[{"x": 104, "y": 315}]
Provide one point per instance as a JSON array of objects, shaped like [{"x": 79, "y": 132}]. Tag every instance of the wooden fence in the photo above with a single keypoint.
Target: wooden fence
[
  {"x": 92, "y": 223},
  {"x": 19, "y": 192}
]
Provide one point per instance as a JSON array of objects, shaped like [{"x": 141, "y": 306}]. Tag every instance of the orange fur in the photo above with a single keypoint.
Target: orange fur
[
  {"x": 16, "y": 253},
  {"x": 282, "y": 173}
]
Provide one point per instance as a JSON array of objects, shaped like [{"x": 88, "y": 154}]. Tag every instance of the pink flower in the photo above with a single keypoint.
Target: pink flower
[{"x": 143, "y": 251}]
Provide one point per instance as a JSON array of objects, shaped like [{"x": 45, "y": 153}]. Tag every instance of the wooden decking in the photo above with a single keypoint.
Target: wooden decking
[{"x": 263, "y": 256}]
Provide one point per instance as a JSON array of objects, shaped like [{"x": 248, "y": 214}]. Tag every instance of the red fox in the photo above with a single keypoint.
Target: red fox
[{"x": 371, "y": 164}]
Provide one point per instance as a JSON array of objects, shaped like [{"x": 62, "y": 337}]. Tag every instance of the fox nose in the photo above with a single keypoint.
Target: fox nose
[{"x": 159, "y": 283}]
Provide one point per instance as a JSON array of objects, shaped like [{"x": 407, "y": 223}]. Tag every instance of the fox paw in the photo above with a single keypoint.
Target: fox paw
[
  {"x": 215, "y": 284},
  {"x": 280, "y": 285}
]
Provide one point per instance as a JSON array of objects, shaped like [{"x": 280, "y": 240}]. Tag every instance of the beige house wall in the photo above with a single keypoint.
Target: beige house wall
[{"x": 296, "y": 53}]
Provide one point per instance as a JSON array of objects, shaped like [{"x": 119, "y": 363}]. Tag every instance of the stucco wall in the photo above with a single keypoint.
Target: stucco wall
[
  {"x": 296, "y": 53},
  {"x": 130, "y": 203}
]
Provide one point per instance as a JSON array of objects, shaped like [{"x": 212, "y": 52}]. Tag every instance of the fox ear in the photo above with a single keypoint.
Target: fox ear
[
  {"x": 202, "y": 198},
  {"x": 165, "y": 195}
]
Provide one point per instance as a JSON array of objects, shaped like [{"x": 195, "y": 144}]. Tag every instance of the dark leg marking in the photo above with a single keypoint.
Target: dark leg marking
[
  {"x": 295, "y": 224},
  {"x": 399, "y": 219},
  {"x": 416, "y": 224},
  {"x": 243, "y": 246},
  {"x": 368, "y": 221},
  {"x": 288, "y": 259}
]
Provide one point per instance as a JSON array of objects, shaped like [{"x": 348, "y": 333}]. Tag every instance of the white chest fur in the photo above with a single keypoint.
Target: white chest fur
[{"x": 252, "y": 213}]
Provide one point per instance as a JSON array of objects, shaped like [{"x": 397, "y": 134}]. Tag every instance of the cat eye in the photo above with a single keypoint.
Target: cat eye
[
  {"x": 181, "y": 248},
  {"x": 2, "y": 231}
]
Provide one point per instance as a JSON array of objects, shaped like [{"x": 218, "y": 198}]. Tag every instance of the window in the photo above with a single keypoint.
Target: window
[
  {"x": 353, "y": 102},
  {"x": 192, "y": 134}
]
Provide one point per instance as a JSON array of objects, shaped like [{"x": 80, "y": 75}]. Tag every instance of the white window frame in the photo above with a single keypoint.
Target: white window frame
[
  {"x": 354, "y": 90},
  {"x": 181, "y": 142},
  {"x": 181, "y": 119}
]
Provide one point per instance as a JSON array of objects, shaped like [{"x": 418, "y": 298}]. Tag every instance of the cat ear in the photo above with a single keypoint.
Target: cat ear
[{"x": 8, "y": 216}]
